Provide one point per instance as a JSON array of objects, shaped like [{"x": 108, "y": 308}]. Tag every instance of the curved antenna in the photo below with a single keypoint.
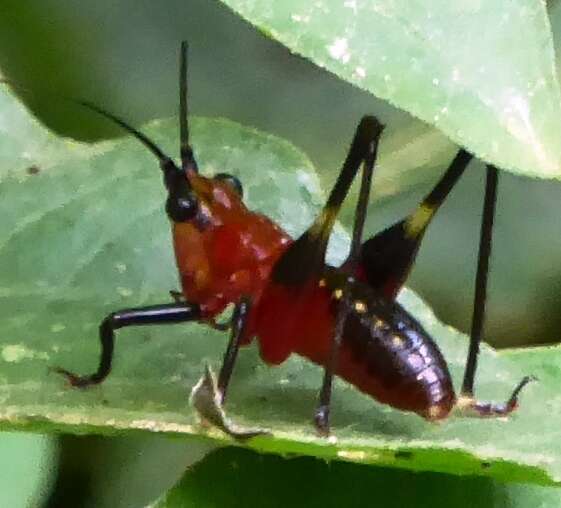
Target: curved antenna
[
  {"x": 165, "y": 161},
  {"x": 147, "y": 142},
  {"x": 168, "y": 167},
  {"x": 187, "y": 158}
]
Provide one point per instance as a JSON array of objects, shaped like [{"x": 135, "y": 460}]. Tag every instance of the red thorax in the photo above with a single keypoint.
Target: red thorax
[{"x": 227, "y": 251}]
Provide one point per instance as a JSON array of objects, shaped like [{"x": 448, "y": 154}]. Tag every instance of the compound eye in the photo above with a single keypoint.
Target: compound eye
[
  {"x": 182, "y": 208},
  {"x": 232, "y": 181}
]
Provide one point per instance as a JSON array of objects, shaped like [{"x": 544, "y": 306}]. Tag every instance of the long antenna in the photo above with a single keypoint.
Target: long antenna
[
  {"x": 147, "y": 142},
  {"x": 187, "y": 158}
]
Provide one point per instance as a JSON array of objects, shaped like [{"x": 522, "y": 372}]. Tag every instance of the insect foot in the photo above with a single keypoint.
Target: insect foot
[
  {"x": 75, "y": 380},
  {"x": 321, "y": 421},
  {"x": 470, "y": 406}
]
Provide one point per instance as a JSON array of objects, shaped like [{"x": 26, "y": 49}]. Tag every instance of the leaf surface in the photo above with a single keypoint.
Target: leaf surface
[
  {"x": 78, "y": 241},
  {"x": 481, "y": 72},
  {"x": 249, "y": 479}
]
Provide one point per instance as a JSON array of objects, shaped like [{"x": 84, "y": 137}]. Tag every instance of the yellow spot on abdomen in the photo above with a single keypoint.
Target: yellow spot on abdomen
[
  {"x": 360, "y": 307},
  {"x": 378, "y": 323},
  {"x": 397, "y": 341}
]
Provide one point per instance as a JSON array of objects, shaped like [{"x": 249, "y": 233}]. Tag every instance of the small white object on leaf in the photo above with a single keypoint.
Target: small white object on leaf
[{"x": 205, "y": 399}]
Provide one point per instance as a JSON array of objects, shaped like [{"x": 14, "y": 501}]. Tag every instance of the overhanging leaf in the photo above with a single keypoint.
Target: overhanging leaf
[
  {"x": 239, "y": 478},
  {"x": 482, "y": 72},
  {"x": 78, "y": 241},
  {"x": 23, "y": 141}
]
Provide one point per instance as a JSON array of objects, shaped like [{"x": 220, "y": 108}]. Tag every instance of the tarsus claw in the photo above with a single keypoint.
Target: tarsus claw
[{"x": 73, "y": 379}]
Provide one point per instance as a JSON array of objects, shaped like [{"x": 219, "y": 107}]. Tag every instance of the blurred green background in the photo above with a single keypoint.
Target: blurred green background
[{"x": 123, "y": 56}]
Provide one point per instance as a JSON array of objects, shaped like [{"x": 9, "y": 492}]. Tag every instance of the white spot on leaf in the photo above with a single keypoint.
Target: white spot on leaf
[
  {"x": 125, "y": 292},
  {"x": 15, "y": 353},
  {"x": 339, "y": 50}
]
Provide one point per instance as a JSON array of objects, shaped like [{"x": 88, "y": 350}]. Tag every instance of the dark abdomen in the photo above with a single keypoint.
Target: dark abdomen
[
  {"x": 399, "y": 366},
  {"x": 387, "y": 354}
]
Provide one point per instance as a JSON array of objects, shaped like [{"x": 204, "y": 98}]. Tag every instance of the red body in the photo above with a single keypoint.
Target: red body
[{"x": 229, "y": 252}]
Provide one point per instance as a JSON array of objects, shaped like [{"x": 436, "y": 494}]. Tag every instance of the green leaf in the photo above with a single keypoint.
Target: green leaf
[
  {"x": 24, "y": 468},
  {"x": 482, "y": 72},
  {"x": 23, "y": 141},
  {"x": 81, "y": 239},
  {"x": 233, "y": 477}
]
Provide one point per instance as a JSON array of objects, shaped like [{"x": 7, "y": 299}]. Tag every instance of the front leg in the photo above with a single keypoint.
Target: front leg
[
  {"x": 208, "y": 396},
  {"x": 152, "y": 315},
  {"x": 239, "y": 327}
]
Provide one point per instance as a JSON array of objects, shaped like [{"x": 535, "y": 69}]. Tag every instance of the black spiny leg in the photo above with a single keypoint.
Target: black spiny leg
[
  {"x": 362, "y": 204},
  {"x": 314, "y": 242},
  {"x": 239, "y": 322},
  {"x": 179, "y": 297},
  {"x": 387, "y": 258},
  {"x": 304, "y": 260},
  {"x": 152, "y": 315},
  {"x": 322, "y": 413},
  {"x": 321, "y": 417},
  {"x": 467, "y": 399}
]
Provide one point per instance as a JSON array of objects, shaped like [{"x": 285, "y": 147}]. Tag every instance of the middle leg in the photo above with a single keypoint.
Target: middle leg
[{"x": 322, "y": 413}]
